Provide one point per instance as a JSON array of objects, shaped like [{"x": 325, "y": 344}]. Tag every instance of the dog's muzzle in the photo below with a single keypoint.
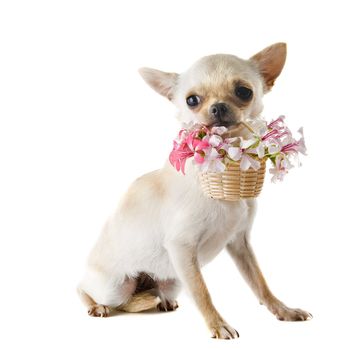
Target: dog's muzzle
[{"x": 222, "y": 115}]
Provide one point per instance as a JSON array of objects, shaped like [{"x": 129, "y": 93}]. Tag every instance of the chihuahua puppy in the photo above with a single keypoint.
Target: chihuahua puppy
[{"x": 165, "y": 229}]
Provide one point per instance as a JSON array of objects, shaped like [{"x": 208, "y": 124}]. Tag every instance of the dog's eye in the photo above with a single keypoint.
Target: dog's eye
[
  {"x": 243, "y": 93},
  {"x": 193, "y": 100}
]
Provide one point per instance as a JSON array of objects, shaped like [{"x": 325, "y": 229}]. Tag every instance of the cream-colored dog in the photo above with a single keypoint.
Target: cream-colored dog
[{"x": 165, "y": 229}]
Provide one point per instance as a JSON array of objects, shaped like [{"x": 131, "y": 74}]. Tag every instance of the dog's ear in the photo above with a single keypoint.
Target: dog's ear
[
  {"x": 270, "y": 62},
  {"x": 162, "y": 82}
]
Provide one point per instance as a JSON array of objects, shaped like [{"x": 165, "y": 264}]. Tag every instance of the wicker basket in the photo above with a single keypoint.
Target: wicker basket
[{"x": 233, "y": 184}]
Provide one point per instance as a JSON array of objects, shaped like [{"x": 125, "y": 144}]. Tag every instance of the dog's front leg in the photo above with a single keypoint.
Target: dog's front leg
[
  {"x": 184, "y": 260},
  {"x": 242, "y": 253}
]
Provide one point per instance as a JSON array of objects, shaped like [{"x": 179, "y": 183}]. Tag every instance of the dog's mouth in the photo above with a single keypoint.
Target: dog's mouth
[
  {"x": 229, "y": 124},
  {"x": 234, "y": 129}
]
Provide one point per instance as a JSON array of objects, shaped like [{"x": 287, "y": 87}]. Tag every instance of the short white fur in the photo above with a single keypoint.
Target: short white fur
[{"x": 165, "y": 227}]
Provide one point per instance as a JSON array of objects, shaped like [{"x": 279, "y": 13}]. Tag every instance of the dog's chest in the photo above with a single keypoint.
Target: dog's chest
[{"x": 224, "y": 221}]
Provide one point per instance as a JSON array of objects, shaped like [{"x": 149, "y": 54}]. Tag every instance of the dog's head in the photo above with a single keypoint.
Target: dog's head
[{"x": 220, "y": 90}]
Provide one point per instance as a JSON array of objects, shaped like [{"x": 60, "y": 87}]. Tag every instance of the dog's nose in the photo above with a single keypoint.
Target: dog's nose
[{"x": 218, "y": 110}]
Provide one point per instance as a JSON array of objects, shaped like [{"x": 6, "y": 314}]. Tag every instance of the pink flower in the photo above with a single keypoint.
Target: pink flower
[
  {"x": 277, "y": 124},
  {"x": 291, "y": 146},
  {"x": 189, "y": 144},
  {"x": 178, "y": 156},
  {"x": 271, "y": 134},
  {"x": 199, "y": 148}
]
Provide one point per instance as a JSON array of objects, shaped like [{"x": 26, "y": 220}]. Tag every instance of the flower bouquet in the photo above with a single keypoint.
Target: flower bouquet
[{"x": 233, "y": 167}]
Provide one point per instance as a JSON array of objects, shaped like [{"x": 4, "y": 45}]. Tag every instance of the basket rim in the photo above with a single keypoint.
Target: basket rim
[{"x": 234, "y": 166}]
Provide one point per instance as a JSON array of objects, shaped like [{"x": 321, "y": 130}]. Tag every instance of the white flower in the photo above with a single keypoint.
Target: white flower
[
  {"x": 215, "y": 140},
  {"x": 273, "y": 146},
  {"x": 235, "y": 153},
  {"x": 212, "y": 162},
  {"x": 259, "y": 150},
  {"x": 247, "y": 162},
  {"x": 281, "y": 168},
  {"x": 219, "y": 130},
  {"x": 247, "y": 143},
  {"x": 302, "y": 146}
]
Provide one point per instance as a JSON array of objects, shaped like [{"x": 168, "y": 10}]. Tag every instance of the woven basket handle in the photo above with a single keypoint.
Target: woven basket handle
[
  {"x": 229, "y": 132},
  {"x": 248, "y": 127}
]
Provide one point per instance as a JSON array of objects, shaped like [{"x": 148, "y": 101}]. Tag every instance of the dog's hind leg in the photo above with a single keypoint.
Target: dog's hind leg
[{"x": 100, "y": 293}]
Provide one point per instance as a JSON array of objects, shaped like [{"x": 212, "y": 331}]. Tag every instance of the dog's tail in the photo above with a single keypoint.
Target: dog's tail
[{"x": 140, "y": 302}]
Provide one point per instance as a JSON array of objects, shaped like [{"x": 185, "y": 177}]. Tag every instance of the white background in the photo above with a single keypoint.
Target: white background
[{"x": 78, "y": 125}]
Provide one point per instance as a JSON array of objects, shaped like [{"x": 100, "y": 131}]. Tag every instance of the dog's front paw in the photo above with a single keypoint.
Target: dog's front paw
[
  {"x": 168, "y": 305},
  {"x": 284, "y": 313},
  {"x": 98, "y": 310},
  {"x": 222, "y": 330}
]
